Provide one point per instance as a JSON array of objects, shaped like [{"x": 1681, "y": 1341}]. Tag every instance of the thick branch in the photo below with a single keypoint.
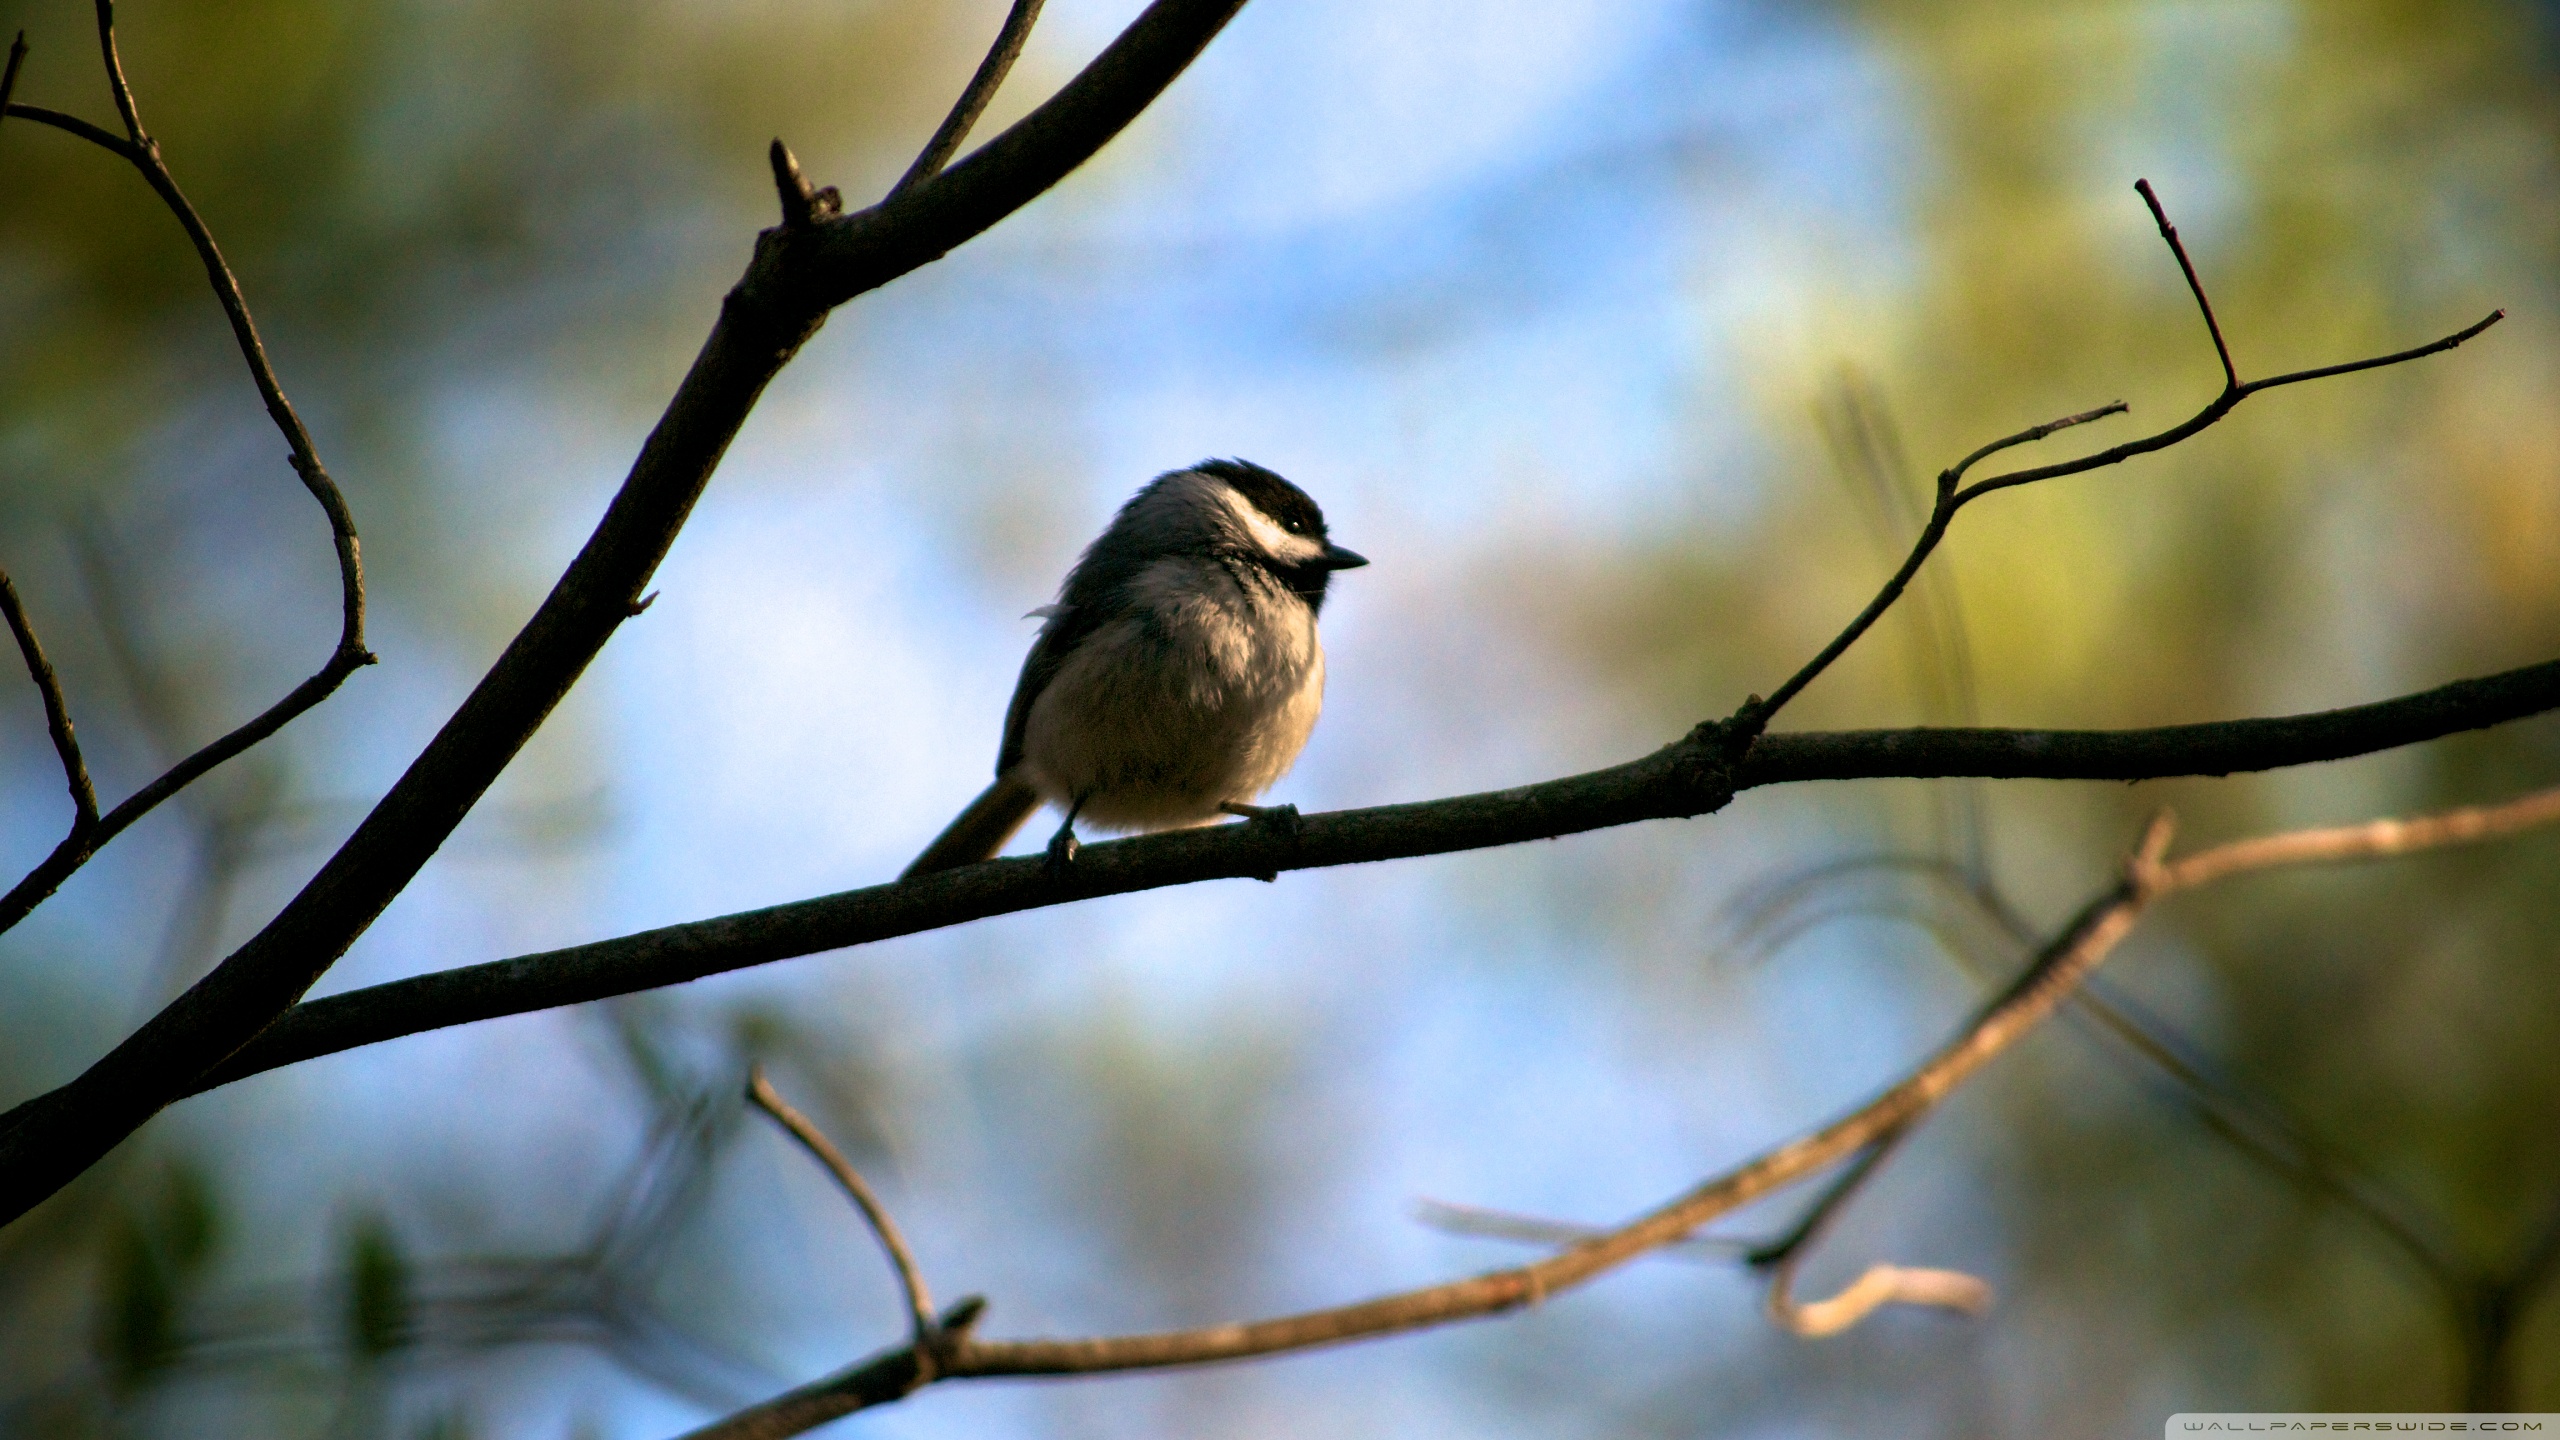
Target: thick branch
[
  {"x": 796, "y": 276},
  {"x": 1683, "y": 779},
  {"x": 2057, "y": 970}
]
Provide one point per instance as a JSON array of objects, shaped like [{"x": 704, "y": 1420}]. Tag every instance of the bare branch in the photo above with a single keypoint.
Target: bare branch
[
  {"x": 2221, "y": 405},
  {"x": 1880, "y": 1286},
  {"x": 138, "y": 149},
  {"x": 2038, "y": 991},
  {"x": 1931, "y": 532},
  {"x": 9, "y": 77},
  {"x": 2373, "y": 840},
  {"x": 973, "y": 100},
  {"x": 57, "y": 715},
  {"x": 2029, "y": 436},
  {"x": 1692, "y": 776},
  {"x": 1477, "y": 1220},
  {"x": 761, "y": 1094},
  {"x": 106, "y": 140},
  {"x": 2396, "y": 357},
  {"x": 802, "y": 204},
  {"x": 2195, "y": 287},
  {"x": 1783, "y": 1257},
  {"x": 1951, "y": 499},
  {"x": 890, "y": 1375},
  {"x": 796, "y": 277},
  {"x": 106, "y": 11}
]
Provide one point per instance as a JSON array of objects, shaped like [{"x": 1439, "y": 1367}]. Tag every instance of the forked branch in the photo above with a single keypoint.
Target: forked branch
[
  {"x": 920, "y": 1316},
  {"x": 1953, "y": 495},
  {"x": 91, "y": 831},
  {"x": 2047, "y": 981},
  {"x": 982, "y": 87},
  {"x": 798, "y": 274}
]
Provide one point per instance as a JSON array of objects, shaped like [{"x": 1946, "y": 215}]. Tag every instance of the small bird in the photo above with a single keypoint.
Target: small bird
[{"x": 1178, "y": 674}]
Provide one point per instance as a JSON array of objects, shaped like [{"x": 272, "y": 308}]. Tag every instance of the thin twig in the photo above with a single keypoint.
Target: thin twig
[
  {"x": 1782, "y": 1257},
  {"x": 2038, "y": 991},
  {"x": 350, "y": 655},
  {"x": 106, "y": 140},
  {"x": 1490, "y": 1224},
  {"x": 973, "y": 99},
  {"x": 1875, "y": 1288},
  {"x": 106, "y": 11},
  {"x": 761, "y": 1094},
  {"x": 2372, "y": 840},
  {"x": 9, "y": 77},
  {"x": 2220, "y": 406},
  {"x": 57, "y": 714},
  {"x": 2195, "y": 287},
  {"x": 1756, "y": 712},
  {"x": 2258, "y": 1127}
]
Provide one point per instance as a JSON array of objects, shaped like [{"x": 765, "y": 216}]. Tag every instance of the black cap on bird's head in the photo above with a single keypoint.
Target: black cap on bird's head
[{"x": 1294, "y": 514}]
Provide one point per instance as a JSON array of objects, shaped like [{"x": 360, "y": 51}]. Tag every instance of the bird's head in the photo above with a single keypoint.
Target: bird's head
[{"x": 1242, "y": 509}]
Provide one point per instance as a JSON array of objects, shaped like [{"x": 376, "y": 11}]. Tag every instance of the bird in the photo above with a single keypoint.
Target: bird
[{"x": 1176, "y": 677}]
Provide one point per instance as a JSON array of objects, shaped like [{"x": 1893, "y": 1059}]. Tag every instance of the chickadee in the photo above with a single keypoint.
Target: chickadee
[{"x": 1178, "y": 674}]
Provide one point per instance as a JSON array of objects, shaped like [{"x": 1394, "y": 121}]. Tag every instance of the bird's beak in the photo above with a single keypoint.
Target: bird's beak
[{"x": 1337, "y": 558}]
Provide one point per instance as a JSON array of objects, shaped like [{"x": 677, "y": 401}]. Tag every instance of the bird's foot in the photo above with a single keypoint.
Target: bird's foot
[
  {"x": 1060, "y": 858},
  {"x": 1282, "y": 817}
]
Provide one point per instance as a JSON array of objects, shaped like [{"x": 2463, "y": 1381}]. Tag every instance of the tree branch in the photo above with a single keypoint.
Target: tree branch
[
  {"x": 1692, "y": 776},
  {"x": 797, "y": 274},
  {"x": 57, "y": 714},
  {"x": 2041, "y": 988},
  {"x": 973, "y": 100},
  {"x": 1953, "y": 495},
  {"x": 138, "y": 149},
  {"x": 9, "y": 76},
  {"x": 761, "y": 1094}
]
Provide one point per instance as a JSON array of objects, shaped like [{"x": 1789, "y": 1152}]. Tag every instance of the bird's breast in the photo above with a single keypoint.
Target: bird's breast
[{"x": 1200, "y": 691}]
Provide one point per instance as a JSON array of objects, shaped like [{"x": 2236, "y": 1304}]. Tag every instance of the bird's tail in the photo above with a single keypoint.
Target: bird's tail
[{"x": 981, "y": 829}]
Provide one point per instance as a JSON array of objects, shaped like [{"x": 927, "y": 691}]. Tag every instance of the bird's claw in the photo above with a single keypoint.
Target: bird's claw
[{"x": 1060, "y": 857}]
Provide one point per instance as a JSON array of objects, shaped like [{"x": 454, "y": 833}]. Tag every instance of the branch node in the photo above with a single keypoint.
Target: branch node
[
  {"x": 643, "y": 603},
  {"x": 799, "y": 202},
  {"x": 955, "y": 127}
]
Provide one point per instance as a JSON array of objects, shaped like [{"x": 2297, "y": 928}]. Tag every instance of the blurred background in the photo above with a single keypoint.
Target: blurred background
[{"x": 1623, "y": 337}]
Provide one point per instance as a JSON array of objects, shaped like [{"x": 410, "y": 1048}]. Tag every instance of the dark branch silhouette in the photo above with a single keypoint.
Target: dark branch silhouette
[
  {"x": 57, "y": 711},
  {"x": 1953, "y": 495},
  {"x": 798, "y": 273},
  {"x": 1692, "y": 776},
  {"x": 90, "y": 832},
  {"x": 982, "y": 87}
]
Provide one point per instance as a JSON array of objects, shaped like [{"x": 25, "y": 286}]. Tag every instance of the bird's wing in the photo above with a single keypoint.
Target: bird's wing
[
  {"x": 1096, "y": 592},
  {"x": 1038, "y": 668}
]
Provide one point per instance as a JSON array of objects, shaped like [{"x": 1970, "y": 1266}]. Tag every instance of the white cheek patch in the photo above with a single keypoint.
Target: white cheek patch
[{"x": 1273, "y": 541}]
